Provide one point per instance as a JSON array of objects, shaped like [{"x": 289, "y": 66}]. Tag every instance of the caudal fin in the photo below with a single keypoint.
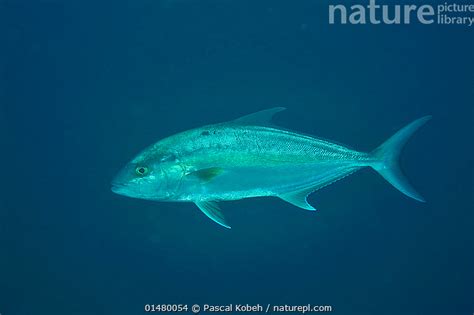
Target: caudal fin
[{"x": 387, "y": 158}]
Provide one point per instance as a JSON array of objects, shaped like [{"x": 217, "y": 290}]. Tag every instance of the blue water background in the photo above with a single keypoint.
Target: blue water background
[{"x": 85, "y": 85}]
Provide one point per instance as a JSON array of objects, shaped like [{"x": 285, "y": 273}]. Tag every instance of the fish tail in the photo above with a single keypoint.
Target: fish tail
[{"x": 387, "y": 155}]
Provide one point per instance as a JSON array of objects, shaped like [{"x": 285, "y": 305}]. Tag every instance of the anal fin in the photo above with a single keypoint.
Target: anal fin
[
  {"x": 299, "y": 198},
  {"x": 212, "y": 210}
]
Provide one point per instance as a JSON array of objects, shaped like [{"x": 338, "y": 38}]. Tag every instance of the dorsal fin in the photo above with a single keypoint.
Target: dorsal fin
[
  {"x": 299, "y": 198},
  {"x": 261, "y": 118}
]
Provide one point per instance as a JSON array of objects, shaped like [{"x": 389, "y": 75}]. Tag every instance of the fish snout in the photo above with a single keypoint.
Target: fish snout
[
  {"x": 117, "y": 186},
  {"x": 121, "y": 180}
]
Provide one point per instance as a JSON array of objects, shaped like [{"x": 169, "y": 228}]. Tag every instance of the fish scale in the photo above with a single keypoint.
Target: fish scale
[{"x": 261, "y": 145}]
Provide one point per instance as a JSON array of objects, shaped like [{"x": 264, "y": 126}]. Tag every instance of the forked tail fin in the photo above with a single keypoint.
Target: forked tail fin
[{"x": 387, "y": 158}]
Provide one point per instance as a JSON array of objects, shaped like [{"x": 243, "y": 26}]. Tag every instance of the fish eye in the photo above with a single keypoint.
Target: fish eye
[{"x": 141, "y": 170}]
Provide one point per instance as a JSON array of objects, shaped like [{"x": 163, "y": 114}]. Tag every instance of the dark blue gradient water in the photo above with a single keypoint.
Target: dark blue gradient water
[{"x": 85, "y": 85}]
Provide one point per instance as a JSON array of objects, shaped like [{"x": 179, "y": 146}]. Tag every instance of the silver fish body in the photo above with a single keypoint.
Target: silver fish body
[
  {"x": 247, "y": 158},
  {"x": 258, "y": 161}
]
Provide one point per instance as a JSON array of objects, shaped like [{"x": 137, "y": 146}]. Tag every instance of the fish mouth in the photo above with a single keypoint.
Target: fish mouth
[
  {"x": 118, "y": 188},
  {"x": 118, "y": 183}
]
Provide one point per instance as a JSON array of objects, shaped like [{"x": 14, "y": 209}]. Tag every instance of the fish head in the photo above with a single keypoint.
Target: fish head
[{"x": 149, "y": 177}]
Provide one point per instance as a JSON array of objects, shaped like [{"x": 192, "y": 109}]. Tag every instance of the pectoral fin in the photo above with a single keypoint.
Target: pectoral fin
[
  {"x": 206, "y": 174},
  {"x": 299, "y": 198},
  {"x": 212, "y": 210}
]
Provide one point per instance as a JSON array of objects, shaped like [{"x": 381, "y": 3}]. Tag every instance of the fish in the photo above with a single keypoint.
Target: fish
[{"x": 252, "y": 157}]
